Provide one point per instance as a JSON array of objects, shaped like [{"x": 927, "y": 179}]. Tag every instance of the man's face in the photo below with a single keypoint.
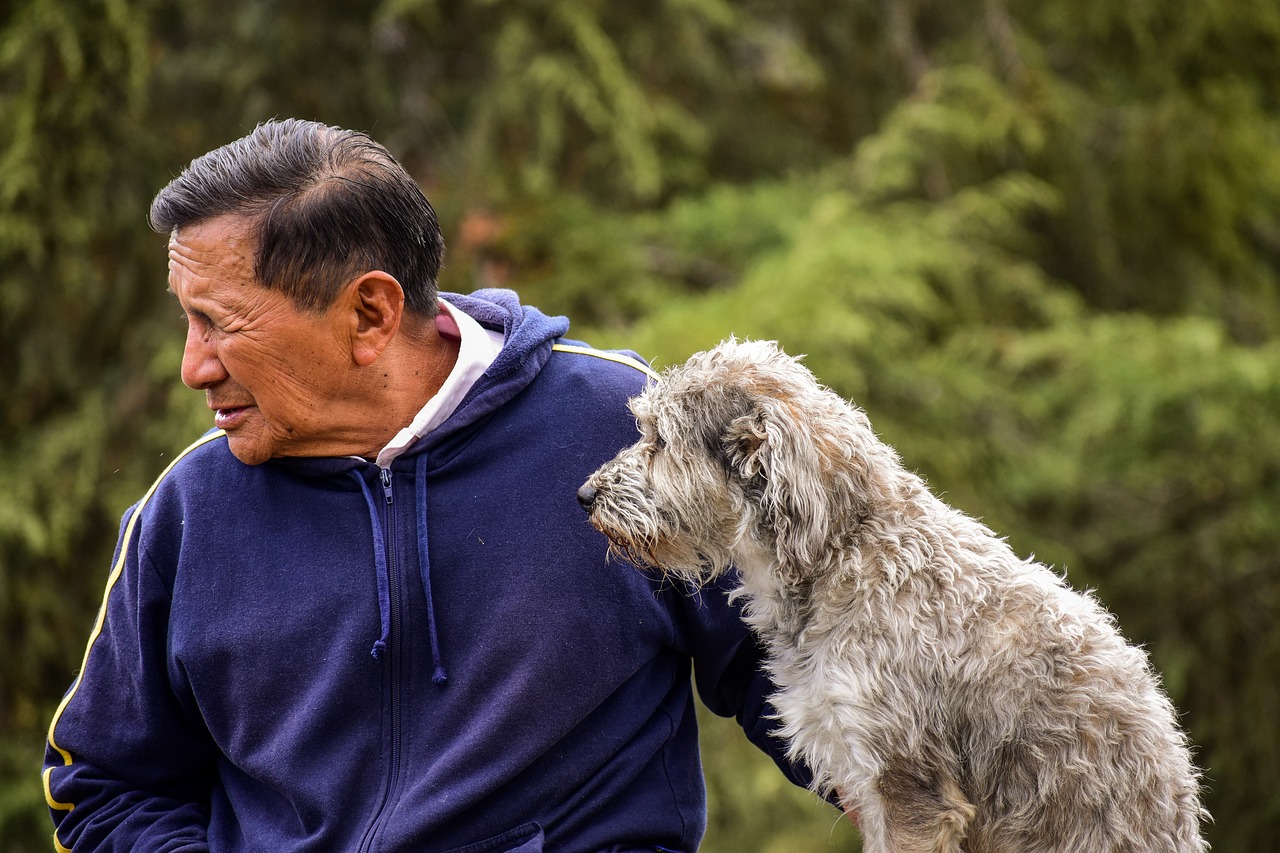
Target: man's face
[{"x": 270, "y": 372}]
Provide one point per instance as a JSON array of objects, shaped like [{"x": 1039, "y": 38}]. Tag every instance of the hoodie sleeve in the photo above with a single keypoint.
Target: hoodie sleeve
[
  {"x": 126, "y": 768},
  {"x": 728, "y": 670}
]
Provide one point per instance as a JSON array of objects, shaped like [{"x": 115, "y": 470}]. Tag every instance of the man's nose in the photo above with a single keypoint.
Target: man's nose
[
  {"x": 587, "y": 497},
  {"x": 201, "y": 367}
]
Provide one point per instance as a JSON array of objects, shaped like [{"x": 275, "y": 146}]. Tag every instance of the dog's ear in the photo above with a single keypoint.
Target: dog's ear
[
  {"x": 771, "y": 451},
  {"x": 742, "y": 442}
]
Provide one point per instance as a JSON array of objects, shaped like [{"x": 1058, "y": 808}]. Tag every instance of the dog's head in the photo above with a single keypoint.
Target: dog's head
[{"x": 741, "y": 451}]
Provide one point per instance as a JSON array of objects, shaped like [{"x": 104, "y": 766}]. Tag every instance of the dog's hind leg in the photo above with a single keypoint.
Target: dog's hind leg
[{"x": 925, "y": 812}]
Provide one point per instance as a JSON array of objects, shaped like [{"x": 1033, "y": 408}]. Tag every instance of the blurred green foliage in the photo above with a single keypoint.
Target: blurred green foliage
[{"x": 1038, "y": 242}]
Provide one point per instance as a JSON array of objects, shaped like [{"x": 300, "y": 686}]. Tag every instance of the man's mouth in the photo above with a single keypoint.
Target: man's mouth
[{"x": 229, "y": 417}]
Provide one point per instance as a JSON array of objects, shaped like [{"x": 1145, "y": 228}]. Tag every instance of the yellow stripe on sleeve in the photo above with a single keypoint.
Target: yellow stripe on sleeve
[{"x": 609, "y": 356}]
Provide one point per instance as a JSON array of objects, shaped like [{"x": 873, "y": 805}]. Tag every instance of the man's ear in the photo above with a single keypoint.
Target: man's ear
[{"x": 375, "y": 305}]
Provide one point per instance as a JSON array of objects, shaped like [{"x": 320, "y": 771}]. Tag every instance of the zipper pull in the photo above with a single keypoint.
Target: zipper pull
[{"x": 386, "y": 484}]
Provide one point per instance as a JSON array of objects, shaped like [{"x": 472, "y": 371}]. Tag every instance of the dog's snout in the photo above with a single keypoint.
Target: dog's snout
[{"x": 587, "y": 496}]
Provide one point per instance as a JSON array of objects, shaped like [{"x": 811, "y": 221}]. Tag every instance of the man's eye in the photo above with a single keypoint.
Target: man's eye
[{"x": 200, "y": 321}]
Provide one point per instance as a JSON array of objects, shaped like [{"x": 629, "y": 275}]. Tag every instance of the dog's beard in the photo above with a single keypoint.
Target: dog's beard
[{"x": 648, "y": 545}]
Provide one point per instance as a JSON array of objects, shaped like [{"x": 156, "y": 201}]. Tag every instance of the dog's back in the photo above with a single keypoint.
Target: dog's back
[
  {"x": 1057, "y": 729},
  {"x": 977, "y": 697}
]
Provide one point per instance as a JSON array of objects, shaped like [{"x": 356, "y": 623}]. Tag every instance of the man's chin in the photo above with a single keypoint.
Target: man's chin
[{"x": 247, "y": 450}]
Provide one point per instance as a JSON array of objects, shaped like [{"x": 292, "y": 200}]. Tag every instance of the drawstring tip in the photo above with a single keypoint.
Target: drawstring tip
[
  {"x": 378, "y": 649},
  {"x": 440, "y": 678}
]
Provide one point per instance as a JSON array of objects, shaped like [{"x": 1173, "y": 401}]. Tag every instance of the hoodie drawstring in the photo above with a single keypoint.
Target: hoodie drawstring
[
  {"x": 439, "y": 675},
  {"x": 380, "y": 563}
]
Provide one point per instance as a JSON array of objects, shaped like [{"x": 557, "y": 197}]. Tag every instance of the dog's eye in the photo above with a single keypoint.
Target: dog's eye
[{"x": 659, "y": 443}]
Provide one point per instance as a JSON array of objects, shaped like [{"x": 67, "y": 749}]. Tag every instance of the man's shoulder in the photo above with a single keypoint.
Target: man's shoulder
[
  {"x": 612, "y": 369},
  {"x": 595, "y": 382},
  {"x": 202, "y": 469},
  {"x": 586, "y": 390},
  {"x": 209, "y": 450},
  {"x": 169, "y": 494}
]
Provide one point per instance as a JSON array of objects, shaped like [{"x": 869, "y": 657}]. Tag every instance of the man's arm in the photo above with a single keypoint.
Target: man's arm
[
  {"x": 126, "y": 767},
  {"x": 728, "y": 672},
  {"x": 732, "y": 681}
]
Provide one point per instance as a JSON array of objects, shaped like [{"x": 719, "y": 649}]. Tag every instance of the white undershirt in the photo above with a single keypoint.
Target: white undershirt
[{"x": 479, "y": 347}]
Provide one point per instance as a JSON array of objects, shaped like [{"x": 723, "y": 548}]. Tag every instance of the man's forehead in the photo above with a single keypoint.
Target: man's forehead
[{"x": 217, "y": 247}]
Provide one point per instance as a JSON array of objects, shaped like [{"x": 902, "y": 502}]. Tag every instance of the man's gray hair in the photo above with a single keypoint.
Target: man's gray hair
[{"x": 324, "y": 206}]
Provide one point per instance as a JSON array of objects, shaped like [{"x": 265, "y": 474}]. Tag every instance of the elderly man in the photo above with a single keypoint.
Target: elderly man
[{"x": 365, "y": 612}]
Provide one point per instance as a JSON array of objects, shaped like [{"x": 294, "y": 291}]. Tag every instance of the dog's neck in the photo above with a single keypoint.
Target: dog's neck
[
  {"x": 855, "y": 571},
  {"x": 772, "y": 606}
]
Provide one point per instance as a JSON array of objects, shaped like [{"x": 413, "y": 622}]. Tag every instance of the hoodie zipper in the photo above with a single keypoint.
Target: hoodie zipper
[{"x": 394, "y": 664}]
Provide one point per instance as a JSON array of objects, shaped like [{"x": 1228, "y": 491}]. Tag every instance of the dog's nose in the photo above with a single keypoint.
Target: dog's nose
[{"x": 587, "y": 497}]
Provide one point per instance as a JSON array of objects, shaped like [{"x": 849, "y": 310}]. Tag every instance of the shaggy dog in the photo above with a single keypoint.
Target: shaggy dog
[{"x": 958, "y": 697}]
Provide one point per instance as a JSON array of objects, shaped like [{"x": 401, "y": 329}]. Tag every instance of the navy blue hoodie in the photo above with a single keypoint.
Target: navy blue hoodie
[{"x": 317, "y": 654}]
